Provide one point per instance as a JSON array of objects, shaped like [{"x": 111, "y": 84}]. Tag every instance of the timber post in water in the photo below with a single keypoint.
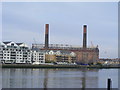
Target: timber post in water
[{"x": 109, "y": 83}]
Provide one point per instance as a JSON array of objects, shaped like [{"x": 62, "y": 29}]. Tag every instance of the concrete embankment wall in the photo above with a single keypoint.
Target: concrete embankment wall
[{"x": 53, "y": 66}]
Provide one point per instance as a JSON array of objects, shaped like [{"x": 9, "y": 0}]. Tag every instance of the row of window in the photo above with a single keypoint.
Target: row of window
[
  {"x": 37, "y": 54},
  {"x": 13, "y": 49},
  {"x": 35, "y": 59}
]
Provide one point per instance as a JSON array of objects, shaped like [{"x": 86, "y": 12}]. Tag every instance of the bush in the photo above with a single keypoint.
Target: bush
[{"x": 98, "y": 64}]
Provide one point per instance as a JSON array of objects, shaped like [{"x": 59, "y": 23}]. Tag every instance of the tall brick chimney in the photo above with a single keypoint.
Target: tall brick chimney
[
  {"x": 85, "y": 36},
  {"x": 46, "y": 36}
]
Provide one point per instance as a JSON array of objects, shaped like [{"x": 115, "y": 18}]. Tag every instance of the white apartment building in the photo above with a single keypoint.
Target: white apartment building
[
  {"x": 11, "y": 52},
  {"x": 19, "y": 53},
  {"x": 38, "y": 57}
]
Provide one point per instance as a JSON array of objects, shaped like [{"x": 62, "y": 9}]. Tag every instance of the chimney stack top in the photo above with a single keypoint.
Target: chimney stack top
[{"x": 85, "y": 25}]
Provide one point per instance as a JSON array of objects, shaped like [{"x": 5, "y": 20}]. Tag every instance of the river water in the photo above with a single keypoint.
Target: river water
[{"x": 58, "y": 78}]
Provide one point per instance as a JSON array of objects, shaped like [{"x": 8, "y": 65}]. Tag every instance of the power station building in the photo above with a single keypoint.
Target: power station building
[{"x": 84, "y": 55}]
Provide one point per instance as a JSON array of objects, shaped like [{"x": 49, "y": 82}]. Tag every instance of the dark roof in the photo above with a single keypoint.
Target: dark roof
[
  {"x": 19, "y": 43},
  {"x": 62, "y": 51},
  {"x": 6, "y": 42}
]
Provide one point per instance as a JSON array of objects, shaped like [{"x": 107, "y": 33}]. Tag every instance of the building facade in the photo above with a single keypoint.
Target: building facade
[
  {"x": 20, "y": 53},
  {"x": 15, "y": 53},
  {"x": 38, "y": 57},
  {"x": 87, "y": 56},
  {"x": 60, "y": 56}
]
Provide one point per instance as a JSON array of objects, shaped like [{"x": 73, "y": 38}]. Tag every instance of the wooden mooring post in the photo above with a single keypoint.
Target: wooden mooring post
[{"x": 109, "y": 83}]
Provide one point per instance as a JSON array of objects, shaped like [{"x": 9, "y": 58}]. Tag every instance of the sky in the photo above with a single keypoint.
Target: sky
[{"x": 25, "y": 22}]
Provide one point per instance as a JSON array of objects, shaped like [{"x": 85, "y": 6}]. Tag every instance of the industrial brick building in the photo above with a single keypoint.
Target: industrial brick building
[{"x": 84, "y": 54}]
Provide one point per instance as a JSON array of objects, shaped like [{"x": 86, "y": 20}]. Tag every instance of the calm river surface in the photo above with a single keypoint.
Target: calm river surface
[{"x": 58, "y": 78}]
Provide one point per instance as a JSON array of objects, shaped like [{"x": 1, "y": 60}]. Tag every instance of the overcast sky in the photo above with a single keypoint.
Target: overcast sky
[{"x": 24, "y": 22}]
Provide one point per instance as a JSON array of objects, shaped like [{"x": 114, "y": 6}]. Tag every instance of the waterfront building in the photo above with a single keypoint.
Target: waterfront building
[
  {"x": 50, "y": 56},
  {"x": 109, "y": 61},
  {"x": 60, "y": 56},
  {"x": 38, "y": 57},
  {"x": 20, "y": 53},
  {"x": 11, "y": 52}
]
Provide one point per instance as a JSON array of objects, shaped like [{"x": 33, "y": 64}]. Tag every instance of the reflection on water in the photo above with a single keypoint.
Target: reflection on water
[{"x": 52, "y": 78}]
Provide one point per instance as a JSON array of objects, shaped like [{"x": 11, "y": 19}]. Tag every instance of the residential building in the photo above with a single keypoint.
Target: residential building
[
  {"x": 38, "y": 57},
  {"x": 60, "y": 56},
  {"x": 12, "y": 52}
]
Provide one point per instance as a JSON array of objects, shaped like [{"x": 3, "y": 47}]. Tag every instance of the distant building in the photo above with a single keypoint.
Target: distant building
[{"x": 114, "y": 61}]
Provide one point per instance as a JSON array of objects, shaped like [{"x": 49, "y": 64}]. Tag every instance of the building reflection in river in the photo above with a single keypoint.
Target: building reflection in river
[{"x": 50, "y": 78}]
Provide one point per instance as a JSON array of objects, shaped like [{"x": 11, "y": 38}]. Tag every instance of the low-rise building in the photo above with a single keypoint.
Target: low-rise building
[
  {"x": 60, "y": 56},
  {"x": 108, "y": 61}
]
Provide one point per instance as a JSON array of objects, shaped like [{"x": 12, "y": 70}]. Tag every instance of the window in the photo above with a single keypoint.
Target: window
[{"x": 12, "y": 44}]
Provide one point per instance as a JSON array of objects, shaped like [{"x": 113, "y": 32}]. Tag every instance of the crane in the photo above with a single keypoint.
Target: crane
[{"x": 92, "y": 46}]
